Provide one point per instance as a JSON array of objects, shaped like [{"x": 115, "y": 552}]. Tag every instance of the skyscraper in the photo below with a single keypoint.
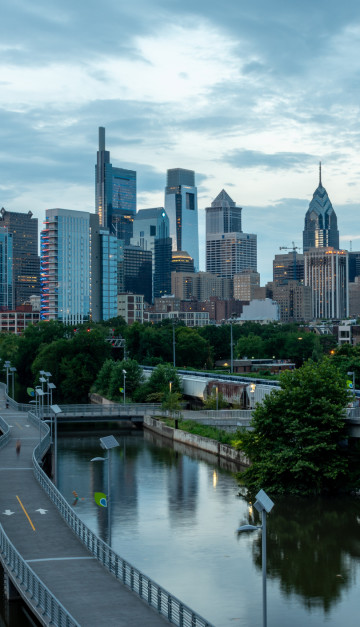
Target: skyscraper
[
  {"x": 229, "y": 251},
  {"x": 181, "y": 207},
  {"x": 151, "y": 232},
  {"x": 320, "y": 230},
  {"x": 6, "y": 269},
  {"x": 326, "y": 271},
  {"x": 65, "y": 266},
  {"x": 26, "y": 263},
  {"x": 115, "y": 194}
]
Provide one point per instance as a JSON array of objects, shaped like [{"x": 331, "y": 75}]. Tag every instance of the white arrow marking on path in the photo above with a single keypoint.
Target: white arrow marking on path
[
  {"x": 41, "y": 511},
  {"x": 8, "y": 512}
]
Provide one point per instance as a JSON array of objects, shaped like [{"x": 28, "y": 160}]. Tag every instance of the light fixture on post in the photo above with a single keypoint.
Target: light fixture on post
[
  {"x": 263, "y": 505},
  {"x": 56, "y": 410},
  {"x": 124, "y": 373},
  {"x": 107, "y": 443},
  {"x": 13, "y": 370}
]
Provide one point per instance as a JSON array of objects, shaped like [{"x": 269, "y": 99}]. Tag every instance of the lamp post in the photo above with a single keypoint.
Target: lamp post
[
  {"x": 174, "y": 354},
  {"x": 107, "y": 443},
  {"x": 40, "y": 393},
  {"x": 56, "y": 410},
  {"x": 263, "y": 505},
  {"x": 7, "y": 366},
  {"x": 231, "y": 349},
  {"x": 124, "y": 373},
  {"x": 252, "y": 387},
  {"x": 217, "y": 397},
  {"x": 12, "y": 370}
]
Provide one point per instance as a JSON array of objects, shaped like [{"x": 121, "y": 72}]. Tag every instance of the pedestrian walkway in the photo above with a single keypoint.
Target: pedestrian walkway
[{"x": 33, "y": 524}]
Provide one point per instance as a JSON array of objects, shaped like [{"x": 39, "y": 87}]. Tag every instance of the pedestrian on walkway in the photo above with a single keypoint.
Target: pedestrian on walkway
[{"x": 18, "y": 447}]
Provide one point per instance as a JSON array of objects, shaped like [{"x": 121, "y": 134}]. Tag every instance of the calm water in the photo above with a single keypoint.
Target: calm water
[{"x": 174, "y": 517}]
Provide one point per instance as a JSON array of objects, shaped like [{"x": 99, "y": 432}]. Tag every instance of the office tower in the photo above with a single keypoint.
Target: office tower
[
  {"x": 26, "y": 262},
  {"x": 135, "y": 271},
  {"x": 326, "y": 271},
  {"x": 320, "y": 230},
  {"x": 181, "y": 207},
  {"x": 65, "y": 266},
  {"x": 115, "y": 194},
  {"x": 6, "y": 269},
  {"x": 103, "y": 263},
  {"x": 288, "y": 267},
  {"x": 354, "y": 265},
  {"x": 228, "y": 252},
  {"x": 294, "y": 300},
  {"x": 151, "y": 232},
  {"x": 246, "y": 285},
  {"x": 181, "y": 262}
]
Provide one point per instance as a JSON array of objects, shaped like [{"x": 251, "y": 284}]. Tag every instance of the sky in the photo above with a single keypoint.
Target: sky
[{"x": 250, "y": 95}]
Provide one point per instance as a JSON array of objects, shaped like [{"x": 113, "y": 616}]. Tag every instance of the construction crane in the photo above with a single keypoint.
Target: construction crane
[{"x": 294, "y": 249}]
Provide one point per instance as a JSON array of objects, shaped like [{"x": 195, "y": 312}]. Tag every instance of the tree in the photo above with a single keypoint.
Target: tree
[
  {"x": 250, "y": 346},
  {"x": 295, "y": 446},
  {"x": 191, "y": 349},
  {"x": 133, "y": 378}
]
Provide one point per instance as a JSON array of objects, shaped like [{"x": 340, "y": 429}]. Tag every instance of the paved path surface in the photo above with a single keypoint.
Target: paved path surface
[{"x": 92, "y": 595}]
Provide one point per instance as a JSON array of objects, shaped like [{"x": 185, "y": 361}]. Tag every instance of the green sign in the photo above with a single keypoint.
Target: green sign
[{"x": 100, "y": 499}]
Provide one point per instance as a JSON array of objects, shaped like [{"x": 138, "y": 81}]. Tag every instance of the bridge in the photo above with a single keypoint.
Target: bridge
[{"x": 62, "y": 570}]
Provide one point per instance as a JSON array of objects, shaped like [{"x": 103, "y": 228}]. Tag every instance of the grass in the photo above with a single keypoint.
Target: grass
[{"x": 203, "y": 430}]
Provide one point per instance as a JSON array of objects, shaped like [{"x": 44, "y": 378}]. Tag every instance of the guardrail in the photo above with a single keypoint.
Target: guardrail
[
  {"x": 31, "y": 587},
  {"x": 154, "y": 595},
  {"x": 5, "y": 429},
  {"x": 109, "y": 409}
]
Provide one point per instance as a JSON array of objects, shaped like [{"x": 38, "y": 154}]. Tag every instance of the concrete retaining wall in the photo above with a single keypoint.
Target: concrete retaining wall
[{"x": 197, "y": 441}]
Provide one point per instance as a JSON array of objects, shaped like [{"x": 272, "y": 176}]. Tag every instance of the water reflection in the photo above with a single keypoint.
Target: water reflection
[
  {"x": 174, "y": 515},
  {"x": 311, "y": 545}
]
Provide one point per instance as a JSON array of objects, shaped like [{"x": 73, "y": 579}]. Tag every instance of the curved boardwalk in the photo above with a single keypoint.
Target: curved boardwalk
[{"x": 33, "y": 524}]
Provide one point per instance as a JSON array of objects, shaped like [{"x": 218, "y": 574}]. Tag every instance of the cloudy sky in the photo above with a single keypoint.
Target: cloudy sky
[{"x": 250, "y": 95}]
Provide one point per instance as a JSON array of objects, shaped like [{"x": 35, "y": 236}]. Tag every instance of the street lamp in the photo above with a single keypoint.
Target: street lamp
[
  {"x": 263, "y": 505},
  {"x": 12, "y": 370},
  {"x": 252, "y": 387},
  {"x": 56, "y": 411},
  {"x": 217, "y": 397},
  {"x": 6, "y": 367},
  {"x": 107, "y": 443},
  {"x": 124, "y": 373},
  {"x": 174, "y": 357}
]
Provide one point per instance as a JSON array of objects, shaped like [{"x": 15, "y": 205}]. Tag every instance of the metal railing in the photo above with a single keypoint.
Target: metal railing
[
  {"x": 39, "y": 597},
  {"x": 154, "y": 595},
  {"x": 109, "y": 409},
  {"x": 5, "y": 429}
]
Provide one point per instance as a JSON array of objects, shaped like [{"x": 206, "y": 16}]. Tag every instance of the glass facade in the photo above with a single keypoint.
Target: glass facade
[
  {"x": 182, "y": 209},
  {"x": 108, "y": 275},
  {"x": 65, "y": 266},
  {"x": 6, "y": 270},
  {"x": 320, "y": 229},
  {"x": 115, "y": 194},
  {"x": 26, "y": 263}
]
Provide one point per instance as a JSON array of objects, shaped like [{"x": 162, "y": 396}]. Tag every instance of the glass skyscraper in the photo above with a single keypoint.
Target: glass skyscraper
[
  {"x": 26, "y": 263},
  {"x": 182, "y": 209},
  {"x": 115, "y": 194},
  {"x": 320, "y": 230},
  {"x": 151, "y": 232},
  {"x": 65, "y": 266},
  {"x": 6, "y": 269}
]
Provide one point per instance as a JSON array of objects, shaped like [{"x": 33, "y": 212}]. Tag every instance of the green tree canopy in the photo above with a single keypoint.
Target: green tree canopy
[{"x": 295, "y": 446}]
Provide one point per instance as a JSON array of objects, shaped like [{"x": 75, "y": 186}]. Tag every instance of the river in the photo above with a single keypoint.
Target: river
[{"x": 175, "y": 515}]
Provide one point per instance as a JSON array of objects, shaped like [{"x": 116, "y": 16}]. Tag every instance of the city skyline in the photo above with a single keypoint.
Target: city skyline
[{"x": 250, "y": 97}]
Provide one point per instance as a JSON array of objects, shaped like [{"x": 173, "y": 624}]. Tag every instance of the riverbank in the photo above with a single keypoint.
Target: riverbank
[{"x": 223, "y": 451}]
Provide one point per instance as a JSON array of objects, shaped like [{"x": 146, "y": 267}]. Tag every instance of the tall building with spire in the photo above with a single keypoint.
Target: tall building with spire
[
  {"x": 320, "y": 230},
  {"x": 115, "y": 194}
]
